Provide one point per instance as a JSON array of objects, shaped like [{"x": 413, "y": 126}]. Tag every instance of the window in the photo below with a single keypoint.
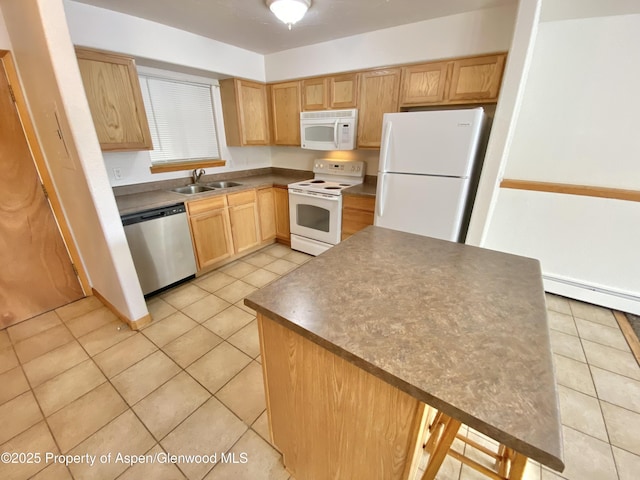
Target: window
[{"x": 181, "y": 119}]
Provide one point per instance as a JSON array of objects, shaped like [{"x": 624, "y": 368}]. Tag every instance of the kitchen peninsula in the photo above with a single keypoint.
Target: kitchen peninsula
[{"x": 355, "y": 343}]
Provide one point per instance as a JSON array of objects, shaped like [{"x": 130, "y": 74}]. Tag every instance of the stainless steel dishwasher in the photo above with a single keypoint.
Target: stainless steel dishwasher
[{"x": 160, "y": 245}]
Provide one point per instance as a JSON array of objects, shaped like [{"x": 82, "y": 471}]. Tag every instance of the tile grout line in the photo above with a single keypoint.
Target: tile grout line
[
  {"x": 604, "y": 421},
  {"x": 44, "y": 417}
]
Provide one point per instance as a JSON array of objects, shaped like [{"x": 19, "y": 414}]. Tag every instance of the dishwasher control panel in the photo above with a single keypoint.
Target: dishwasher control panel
[{"x": 152, "y": 214}]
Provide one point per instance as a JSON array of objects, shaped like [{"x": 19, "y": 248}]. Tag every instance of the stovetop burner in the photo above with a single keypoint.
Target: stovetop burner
[{"x": 331, "y": 177}]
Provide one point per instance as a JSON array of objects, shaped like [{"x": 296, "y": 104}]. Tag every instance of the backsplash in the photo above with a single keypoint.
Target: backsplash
[
  {"x": 133, "y": 167},
  {"x": 184, "y": 180}
]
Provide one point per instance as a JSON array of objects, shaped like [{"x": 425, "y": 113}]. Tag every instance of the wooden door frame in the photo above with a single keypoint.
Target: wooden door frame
[{"x": 41, "y": 166}]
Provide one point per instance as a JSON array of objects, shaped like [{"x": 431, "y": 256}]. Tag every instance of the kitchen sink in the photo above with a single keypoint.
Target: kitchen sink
[
  {"x": 191, "y": 189},
  {"x": 222, "y": 184}
]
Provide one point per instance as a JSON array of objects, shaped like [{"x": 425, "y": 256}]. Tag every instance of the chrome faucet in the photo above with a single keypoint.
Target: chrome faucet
[{"x": 195, "y": 175}]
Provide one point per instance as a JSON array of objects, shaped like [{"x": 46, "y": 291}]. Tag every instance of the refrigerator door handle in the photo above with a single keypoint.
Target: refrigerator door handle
[
  {"x": 386, "y": 138},
  {"x": 335, "y": 133},
  {"x": 381, "y": 196}
]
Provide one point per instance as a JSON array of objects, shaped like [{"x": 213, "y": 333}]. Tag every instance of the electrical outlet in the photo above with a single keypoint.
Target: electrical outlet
[{"x": 117, "y": 173}]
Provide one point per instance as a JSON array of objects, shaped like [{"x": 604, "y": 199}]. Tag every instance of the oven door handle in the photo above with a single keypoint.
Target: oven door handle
[{"x": 300, "y": 193}]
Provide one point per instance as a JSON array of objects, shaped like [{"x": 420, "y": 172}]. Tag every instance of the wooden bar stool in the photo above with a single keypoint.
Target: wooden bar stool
[{"x": 443, "y": 430}]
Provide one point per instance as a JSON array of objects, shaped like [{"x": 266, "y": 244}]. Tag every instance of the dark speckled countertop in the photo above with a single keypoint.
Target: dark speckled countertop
[
  {"x": 460, "y": 328},
  {"x": 163, "y": 196}
]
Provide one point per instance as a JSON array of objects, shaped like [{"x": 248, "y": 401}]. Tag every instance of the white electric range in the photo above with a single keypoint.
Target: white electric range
[{"x": 315, "y": 206}]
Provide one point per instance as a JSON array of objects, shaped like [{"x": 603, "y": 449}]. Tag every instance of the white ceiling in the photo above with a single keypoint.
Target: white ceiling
[{"x": 249, "y": 24}]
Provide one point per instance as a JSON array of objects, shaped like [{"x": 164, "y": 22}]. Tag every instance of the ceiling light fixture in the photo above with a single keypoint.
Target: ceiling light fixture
[{"x": 289, "y": 11}]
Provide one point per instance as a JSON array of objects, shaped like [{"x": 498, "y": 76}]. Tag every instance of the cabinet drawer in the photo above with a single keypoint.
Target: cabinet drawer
[
  {"x": 241, "y": 198},
  {"x": 360, "y": 203},
  {"x": 200, "y": 206}
]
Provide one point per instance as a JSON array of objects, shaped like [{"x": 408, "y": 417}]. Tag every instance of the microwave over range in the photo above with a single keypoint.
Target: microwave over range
[{"x": 329, "y": 129}]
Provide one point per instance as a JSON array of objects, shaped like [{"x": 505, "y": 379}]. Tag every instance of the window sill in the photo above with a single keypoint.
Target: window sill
[{"x": 177, "y": 166}]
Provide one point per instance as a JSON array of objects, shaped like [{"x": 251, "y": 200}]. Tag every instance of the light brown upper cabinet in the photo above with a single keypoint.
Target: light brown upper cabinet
[
  {"x": 285, "y": 113},
  {"x": 244, "y": 109},
  {"x": 113, "y": 91},
  {"x": 424, "y": 84},
  {"x": 333, "y": 92},
  {"x": 476, "y": 79},
  {"x": 314, "y": 94},
  {"x": 343, "y": 91},
  {"x": 379, "y": 91}
]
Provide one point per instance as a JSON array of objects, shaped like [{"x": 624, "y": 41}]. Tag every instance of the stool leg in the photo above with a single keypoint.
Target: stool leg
[
  {"x": 518, "y": 464},
  {"x": 451, "y": 427},
  {"x": 434, "y": 432},
  {"x": 502, "y": 462}
]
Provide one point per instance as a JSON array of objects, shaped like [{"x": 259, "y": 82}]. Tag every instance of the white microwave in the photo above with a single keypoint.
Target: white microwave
[{"x": 329, "y": 129}]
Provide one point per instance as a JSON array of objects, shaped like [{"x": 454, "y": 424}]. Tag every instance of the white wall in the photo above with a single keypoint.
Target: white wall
[
  {"x": 51, "y": 82},
  {"x": 579, "y": 118},
  {"x": 5, "y": 42},
  {"x": 507, "y": 111},
  {"x": 481, "y": 31},
  {"x": 300, "y": 159},
  {"x": 108, "y": 30},
  {"x": 578, "y": 125}
]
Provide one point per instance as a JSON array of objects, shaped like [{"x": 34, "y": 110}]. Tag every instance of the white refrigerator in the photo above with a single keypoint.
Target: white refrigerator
[{"x": 425, "y": 174}]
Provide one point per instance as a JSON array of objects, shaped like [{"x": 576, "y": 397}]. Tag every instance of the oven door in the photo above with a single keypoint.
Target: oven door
[{"x": 315, "y": 215}]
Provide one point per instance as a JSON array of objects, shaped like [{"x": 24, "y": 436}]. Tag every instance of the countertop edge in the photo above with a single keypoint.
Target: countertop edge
[
  {"x": 530, "y": 451},
  {"x": 176, "y": 198}
]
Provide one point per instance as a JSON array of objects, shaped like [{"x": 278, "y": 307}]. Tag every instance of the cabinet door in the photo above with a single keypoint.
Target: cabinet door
[
  {"x": 252, "y": 107},
  {"x": 357, "y": 213},
  {"x": 423, "y": 84},
  {"x": 115, "y": 100},
  {"x": 379, "y": 91},
  {"x": 244, "y": 226},
  {"x": 281, "y": 200},
  {"x": 314, "y": 93},
  {"x": 343, "y": 91},
  {"x": 211, "y": 233},
  {"x": 243, "y": 213},
  {"x": 477, "y": 79},
  {"x": 267, "y": 212},
  {"x": 285, "y": 113}
]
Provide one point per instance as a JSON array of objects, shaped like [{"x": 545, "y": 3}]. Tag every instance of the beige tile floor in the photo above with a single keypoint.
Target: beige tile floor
[{"x": 77, "y": 381}]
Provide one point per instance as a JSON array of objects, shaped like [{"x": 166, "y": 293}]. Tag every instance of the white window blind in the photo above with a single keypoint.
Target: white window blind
[{"x": 181, "y": 119}]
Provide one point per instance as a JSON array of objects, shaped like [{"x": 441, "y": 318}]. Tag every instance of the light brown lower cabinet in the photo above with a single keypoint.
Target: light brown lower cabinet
[
  {"x": 245, "y": 226},
  {"x": 329, "y": 418},
  {"x": 210, "y": 231},
  {"x": 227, "y": 227},
  {"x": 281, "y": 201},
  {"x": 357, "y": 213},
  {"x": 267, "y": 212}
]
